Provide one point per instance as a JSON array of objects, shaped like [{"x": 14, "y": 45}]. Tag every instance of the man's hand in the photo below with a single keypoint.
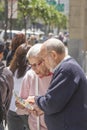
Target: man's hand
[
  {"x": 31, "y": 99},
  {"x": 36, "y": 110}
]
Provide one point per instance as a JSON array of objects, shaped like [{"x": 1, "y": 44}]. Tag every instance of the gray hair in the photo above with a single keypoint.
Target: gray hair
[
  {"x": 34, "y": 50},
  {"x": 55, "y": 44}
]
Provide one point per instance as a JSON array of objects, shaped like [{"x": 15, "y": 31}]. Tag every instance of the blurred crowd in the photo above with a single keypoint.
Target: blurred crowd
[{"x": 18, "y": 39}]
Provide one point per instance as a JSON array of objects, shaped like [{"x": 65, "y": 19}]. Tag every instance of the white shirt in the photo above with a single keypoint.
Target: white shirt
[{"x": 17, "y": 87}]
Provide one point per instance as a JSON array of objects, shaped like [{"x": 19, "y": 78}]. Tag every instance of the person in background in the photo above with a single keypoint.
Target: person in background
[
  {"x": 6, "y": 87},
  {"x": 50, "y": 35},
  {"x": 6, "y": 50},
  {"x": 65, "y": 102},
  {"x": 61, "y": 36},
  {"x": 16, "y": 41},
  {"x": 19, "y": 66},
  {"x": 35, "y": 82},
  {"x": 32, "y": 40}
]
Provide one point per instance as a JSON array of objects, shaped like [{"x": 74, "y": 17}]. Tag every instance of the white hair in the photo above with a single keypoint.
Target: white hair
[
  {"x": 34, "y": 50},
  {"x": 55, "y": 44}
]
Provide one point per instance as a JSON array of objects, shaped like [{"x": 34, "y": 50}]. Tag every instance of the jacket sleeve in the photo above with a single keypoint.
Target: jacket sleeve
[
  {"x": 6, "y": 86},
  {"x": 60, "y": 92},
  {"x": 3, "y": 88}
]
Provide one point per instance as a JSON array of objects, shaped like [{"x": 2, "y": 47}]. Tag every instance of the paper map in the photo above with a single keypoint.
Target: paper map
[{"x": 23, "y": 102}]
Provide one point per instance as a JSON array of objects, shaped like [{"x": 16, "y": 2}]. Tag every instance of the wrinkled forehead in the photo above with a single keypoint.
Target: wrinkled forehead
[
  {"x": 43, "y": 51},
  {"x": 35, "y": 59}
]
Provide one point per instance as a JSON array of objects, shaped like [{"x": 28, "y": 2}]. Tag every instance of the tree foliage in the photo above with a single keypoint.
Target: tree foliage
[
  {"x": 1, "y": 11},
  {"x": 35, "y": 10},
  {"x": 40, "y": 9}
]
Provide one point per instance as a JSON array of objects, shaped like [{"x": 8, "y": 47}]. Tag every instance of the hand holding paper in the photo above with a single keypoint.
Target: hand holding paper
[
  {"x": 22, "y": 103},
  {"x": 36, "y": 110}
]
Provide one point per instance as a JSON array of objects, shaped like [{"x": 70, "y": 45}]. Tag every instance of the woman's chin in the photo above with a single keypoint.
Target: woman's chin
[{"x": 51, "y": 69}]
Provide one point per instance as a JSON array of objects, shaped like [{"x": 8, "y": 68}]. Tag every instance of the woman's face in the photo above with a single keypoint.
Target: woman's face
[{"x": 37, "y": 64}]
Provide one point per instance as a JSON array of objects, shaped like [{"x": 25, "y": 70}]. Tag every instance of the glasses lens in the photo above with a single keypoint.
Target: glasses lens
[{"x": 36, "y": 64}]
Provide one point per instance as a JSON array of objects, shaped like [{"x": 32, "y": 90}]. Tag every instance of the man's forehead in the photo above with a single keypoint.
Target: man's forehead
[
  {"x": 43, "y": 48},
  {"x": 42, "y": 52}
]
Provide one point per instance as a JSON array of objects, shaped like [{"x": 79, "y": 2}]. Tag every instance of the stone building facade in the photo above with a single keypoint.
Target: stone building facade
[{"x": 77, "y": 30}]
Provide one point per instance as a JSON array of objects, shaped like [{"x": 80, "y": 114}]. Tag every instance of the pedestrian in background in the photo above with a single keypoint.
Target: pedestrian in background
[
  {"x": 6, "y": 49},
  {"x": 6, "y": 87},
  {"x": 32, "y": 40},
  {"x": 16, "y": 41},
  {"x": 19, "y": 66}
]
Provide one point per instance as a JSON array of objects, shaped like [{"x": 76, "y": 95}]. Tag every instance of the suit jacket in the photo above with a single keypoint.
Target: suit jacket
[{"x": 65, "y": 103}]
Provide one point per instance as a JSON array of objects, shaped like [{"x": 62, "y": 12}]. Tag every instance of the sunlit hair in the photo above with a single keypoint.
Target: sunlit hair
[
  {"x": 19, "y": 61},
  {"x": 56, "y": 45},
  {"x": 17, "y": 41},
  {"x": 34, "y": 50}
]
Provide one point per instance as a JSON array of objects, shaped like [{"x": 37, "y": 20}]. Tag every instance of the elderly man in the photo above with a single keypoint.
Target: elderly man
[{"x": 65, "y": 102}]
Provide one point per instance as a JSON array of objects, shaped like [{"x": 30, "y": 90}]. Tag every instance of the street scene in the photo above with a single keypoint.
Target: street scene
[{"x": 43, "y": 65}]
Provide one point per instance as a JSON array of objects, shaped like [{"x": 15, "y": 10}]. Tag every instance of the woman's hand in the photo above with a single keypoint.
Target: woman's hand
[{"x": 19, "y": 105}]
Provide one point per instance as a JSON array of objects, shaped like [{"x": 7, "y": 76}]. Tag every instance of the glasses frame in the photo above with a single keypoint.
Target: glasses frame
[{"x": 36, "y": 64}]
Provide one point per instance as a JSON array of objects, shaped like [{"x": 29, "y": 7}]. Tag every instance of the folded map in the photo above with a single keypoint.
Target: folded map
[{"x": 23, "y": 102}]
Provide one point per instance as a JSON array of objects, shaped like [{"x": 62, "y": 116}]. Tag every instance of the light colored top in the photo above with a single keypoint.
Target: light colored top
[
  {"x": 17, "y": 87},
  {"x": 28, "y": 89}
]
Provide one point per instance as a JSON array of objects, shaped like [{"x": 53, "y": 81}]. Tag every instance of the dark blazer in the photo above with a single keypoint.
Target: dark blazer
[
  {"x": 65, "y": 103},
  {"x": 6, "y": 89}
]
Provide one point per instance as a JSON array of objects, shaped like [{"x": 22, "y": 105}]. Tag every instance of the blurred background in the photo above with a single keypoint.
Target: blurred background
[{"x": 47, "y": 18}]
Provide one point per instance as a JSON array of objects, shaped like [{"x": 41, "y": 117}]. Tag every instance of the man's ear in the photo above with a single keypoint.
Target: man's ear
[{"x": 54, "y": 54}]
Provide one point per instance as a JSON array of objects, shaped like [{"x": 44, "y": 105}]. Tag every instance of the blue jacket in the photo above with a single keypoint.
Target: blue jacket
[{"x": 65, "y": 103}]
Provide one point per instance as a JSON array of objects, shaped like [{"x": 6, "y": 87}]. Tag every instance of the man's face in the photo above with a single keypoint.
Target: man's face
[{"x": 48, "y": 59}]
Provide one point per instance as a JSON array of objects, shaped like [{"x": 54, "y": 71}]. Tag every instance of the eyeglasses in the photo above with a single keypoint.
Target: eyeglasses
[{"x": 36, "y": 64}]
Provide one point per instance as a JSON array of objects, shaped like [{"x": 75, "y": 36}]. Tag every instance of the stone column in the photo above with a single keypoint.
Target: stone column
[{"x": 78, "y": 31}]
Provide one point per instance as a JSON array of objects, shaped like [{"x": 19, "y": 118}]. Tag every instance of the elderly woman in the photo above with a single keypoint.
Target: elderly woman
[{"x": 35, "y": 82}]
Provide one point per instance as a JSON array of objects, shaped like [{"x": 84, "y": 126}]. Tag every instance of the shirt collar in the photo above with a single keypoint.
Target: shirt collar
[
  {"x": 50, "y": 73},
  {"x": 66, "y": 57}
]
